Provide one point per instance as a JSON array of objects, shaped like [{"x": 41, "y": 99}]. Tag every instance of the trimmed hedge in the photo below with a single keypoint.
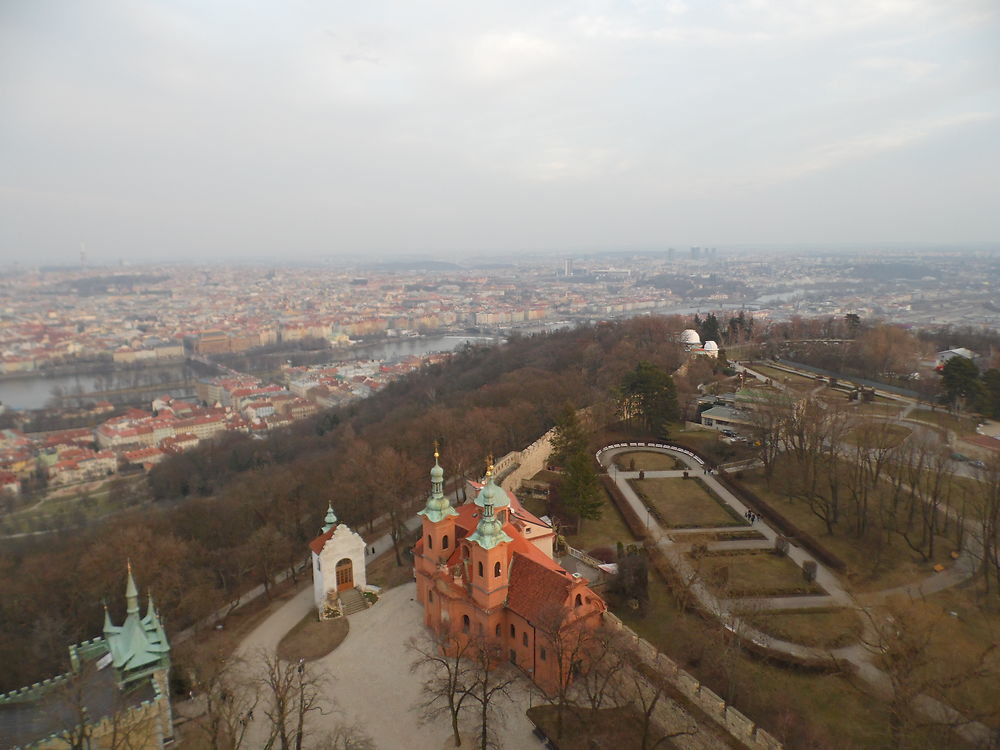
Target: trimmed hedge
[{"x": 785, "y": 526}]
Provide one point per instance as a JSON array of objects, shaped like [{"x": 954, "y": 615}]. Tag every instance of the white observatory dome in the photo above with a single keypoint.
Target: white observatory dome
[
  {"x": 711, "y": 346},
  {"x": 690, "y": 336}
]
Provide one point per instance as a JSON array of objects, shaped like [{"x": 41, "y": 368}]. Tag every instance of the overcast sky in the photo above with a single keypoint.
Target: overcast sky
[{"x": 295, "y": 128}]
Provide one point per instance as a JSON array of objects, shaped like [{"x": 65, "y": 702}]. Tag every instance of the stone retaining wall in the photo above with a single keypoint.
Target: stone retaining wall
[{"x": 740, "y": 727}]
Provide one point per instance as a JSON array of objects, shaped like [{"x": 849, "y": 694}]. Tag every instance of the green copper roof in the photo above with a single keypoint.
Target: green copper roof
[
  {"x": 138, "y": 644},
  {"x": 437, "y": 507},
  {"x": 489, "y": 532},
  {"x": 331, "y": 518},
  {"x": 491, "y": 494}
]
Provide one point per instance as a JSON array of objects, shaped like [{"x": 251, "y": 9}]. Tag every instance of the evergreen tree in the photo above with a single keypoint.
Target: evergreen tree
[
  {"x": 580, "y": 487},
  {"x": 570, "y": 437},
  {"x": 960, "y": 378},
  {"x": 649, "y": 398}
]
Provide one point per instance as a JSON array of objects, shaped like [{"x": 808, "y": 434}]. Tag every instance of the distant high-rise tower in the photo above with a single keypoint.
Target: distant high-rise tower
[
  {"x": 695, "y": 252},
  {"x": 568, "y": 267},
  {"x": 670, "y": 253}
]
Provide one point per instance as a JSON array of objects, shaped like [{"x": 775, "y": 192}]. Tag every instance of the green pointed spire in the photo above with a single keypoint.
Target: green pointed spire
[
  {"x": 437, "y": 507},
  {"x": 108, "y": 627},
  {"x": 131, "y": 593},
  {"x": 331, "y": 518}
]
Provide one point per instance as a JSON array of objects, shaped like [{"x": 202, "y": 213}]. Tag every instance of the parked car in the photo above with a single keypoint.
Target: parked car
[
  {"x": 959, "y": 457},
  {"x": 977, "y": 464}
]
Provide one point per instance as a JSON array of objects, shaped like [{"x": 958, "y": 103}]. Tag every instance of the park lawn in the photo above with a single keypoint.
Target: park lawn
[
  {"x": 312, "y": 639},
  {"x": 821, "y": 628},
  {"x": 785, "y": 378},
  {"x": 877, "y": 434},
  {"x": 606, "y": 531},
  {"x": 961, "y": 640},
  {"x": 686, "y": 503},
  {"x": 829, "y": 704},
  {"x": 960, "y": 424},
  {"x": 872, "y": 564},
  {"x": 648, "y": 461},
  {"x": 890, "y": 409},
  {"x": 754, "y": 573}
]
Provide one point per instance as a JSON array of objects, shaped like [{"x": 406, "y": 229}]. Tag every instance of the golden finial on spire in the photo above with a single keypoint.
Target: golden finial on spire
[
  {"x": 437, "y": 455},
  {"x": 489, "y": 465}
]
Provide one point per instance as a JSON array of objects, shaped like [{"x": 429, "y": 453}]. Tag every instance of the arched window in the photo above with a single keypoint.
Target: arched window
[
  {"x": 513, "y": 633},
  {"x": 430, "y": 596},
  {"x": 430, "y": 542},
  {"x": 524, "y": 638},
  {"x": 496, "y": 570},
  {"x": 465, "y": 623},
  {"x": 498, "y": 630},
  {"x": 579, "y": 601},
  {"x": 480, "y": 568},
  {"x": 444, "y": 542}
]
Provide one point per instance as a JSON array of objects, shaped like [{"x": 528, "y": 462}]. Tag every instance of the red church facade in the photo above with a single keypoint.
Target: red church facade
[{"x": 485, "y": 569}]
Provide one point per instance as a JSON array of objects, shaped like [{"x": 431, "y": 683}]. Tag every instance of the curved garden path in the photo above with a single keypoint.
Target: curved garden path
[{"x": 675, "y": 552}]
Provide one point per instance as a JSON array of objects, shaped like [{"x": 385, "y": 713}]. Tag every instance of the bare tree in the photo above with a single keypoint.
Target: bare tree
[
  {"x": 904, "y": 640},
  {"x": 489, "y": 689},
  {"x": 448, "y": 660},
  {"x": 230, "y": 699},
  {"x": 290, "y": 694}
]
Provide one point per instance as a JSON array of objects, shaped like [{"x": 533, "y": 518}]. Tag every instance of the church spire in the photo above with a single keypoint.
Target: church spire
[
  {"x": 437, "y": 506},
  {"x": 489, "y": 531},
  {"x": 131, "y": 593},
  {"x": 331, "y": 518}
]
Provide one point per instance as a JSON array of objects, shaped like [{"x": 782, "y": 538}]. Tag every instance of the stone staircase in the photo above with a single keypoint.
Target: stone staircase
[{"x": 352, "y": 601}]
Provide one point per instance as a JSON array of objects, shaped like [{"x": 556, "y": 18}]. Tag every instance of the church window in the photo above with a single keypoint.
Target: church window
[
  {"x": 496, "y": 570},
  {"x": 579, "y": 601},
  {"x": 430, "y": 596},
  {"x": 513, "y": 633},
  {"x": 524, "y": 638},
  {"x": 430, "y": 542},
  {"x": 465, "y": 623},
  {"x": 541, "y": 653},
  {"x": 480, "y": 568},
  {"x": 444, "y": 542},
  {"x": 498, "y": 630}
]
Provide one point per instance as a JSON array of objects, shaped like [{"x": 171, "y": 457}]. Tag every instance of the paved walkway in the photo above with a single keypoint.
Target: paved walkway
[
  {"x": 369, "y": 678},
  {"x": 675, "y": 552}
]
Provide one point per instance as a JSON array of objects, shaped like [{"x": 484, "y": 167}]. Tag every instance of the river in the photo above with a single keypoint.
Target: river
[{"x": 34, "y": 392}]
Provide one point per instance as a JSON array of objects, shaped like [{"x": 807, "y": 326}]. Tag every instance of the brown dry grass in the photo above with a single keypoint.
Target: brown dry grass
[
  {"x": 312, "y": 639},
  {"x": 685, "y": 503},
  {"x": 757, "y": 573},
  {"x": 648, "y": 461},
  {"x": 822, "y": 628}
]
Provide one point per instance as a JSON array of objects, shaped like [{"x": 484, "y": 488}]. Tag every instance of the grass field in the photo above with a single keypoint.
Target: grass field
[
  {"x": 873, "y": 562},
  {"x": 785, "y": 378},
  {"x": 648, "y": 461},
  {"x": 822, "y": 628},
  {"x": 877, "y": 434},
  {"x": 685, "y": 503},
  {"x": 607, "y": 531},
  {"x": 756, "y": 573},
  {"x": 788, "y": 703},
  {"x": 960, "y": 424}
]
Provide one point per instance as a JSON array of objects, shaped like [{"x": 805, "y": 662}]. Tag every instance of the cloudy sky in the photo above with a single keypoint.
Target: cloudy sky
[{"x": 156, "y": 129}]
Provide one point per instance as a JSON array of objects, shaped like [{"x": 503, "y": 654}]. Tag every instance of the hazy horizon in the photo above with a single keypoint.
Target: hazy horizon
[{"x": 159, "y": 131}]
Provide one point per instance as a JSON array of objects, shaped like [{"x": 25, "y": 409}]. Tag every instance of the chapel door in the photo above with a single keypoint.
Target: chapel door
[{"x": 345, "y": 575}]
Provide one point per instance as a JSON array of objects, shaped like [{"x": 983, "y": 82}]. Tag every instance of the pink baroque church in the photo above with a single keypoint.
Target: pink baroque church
[{"x": 486, "y": 569}]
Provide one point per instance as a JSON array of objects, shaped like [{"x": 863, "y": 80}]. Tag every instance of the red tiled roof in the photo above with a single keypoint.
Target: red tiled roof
[
  {"x": 317, "y": 544},
  {"x": 535, "y": 587}
]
